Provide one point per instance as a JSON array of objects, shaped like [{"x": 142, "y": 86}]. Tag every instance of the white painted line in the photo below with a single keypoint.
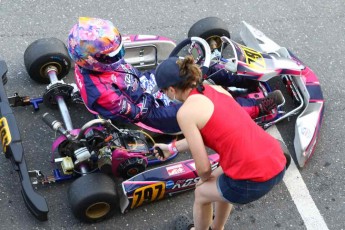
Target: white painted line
[{"x": 300, "y": 195}]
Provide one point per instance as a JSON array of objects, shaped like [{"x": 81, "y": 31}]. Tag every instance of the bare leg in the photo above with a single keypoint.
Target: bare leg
[
  {"x": 222, "y": 213},
  {"x": 205, "y": 194},
  {"x": 202, "y": 214}
]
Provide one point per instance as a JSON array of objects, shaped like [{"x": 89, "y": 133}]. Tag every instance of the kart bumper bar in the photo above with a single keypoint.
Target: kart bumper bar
[
  {"x": 14, "y": 151},
  {"x": 298, "y": 97}
]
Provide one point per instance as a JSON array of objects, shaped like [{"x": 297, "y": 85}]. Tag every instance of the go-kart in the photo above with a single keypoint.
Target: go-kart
[
  {"x": 263, "y": 60},
  {"x": 100, "y": 148}
]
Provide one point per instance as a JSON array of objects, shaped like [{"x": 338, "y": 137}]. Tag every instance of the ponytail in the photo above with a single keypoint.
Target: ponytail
[{"x": 190, "y": 74}]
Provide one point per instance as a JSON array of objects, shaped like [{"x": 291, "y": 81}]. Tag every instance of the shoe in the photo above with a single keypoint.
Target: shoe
[
  {"x": 270, "y": 102},
  {"x": 183, "y": 223}
]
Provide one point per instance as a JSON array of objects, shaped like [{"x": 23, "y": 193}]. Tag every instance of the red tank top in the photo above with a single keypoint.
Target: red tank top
[{"x": 246, "y": 151}]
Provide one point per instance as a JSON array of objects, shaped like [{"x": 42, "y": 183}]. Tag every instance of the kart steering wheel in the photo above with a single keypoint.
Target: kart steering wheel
[{"x": 203, "y": 51}]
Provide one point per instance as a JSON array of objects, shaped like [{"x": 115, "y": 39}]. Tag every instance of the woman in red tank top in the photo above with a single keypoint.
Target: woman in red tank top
[{"x": 251, "y": 161}]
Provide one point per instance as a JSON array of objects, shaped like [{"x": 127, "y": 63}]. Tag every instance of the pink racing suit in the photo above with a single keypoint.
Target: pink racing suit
[{"x": 119, "y": 95}]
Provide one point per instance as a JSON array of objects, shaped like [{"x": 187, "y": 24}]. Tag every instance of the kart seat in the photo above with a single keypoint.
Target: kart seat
[{"x": 146, "y": 52}]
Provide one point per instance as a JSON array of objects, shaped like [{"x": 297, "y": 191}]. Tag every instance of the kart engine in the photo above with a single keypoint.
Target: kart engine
[{"x": 98, "y": 145}]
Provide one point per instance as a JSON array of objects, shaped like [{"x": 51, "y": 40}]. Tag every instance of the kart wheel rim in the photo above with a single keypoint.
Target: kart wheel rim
[
  {"x": 216, "y": 38},
  {"x": 43, "y": 69},
  {"x": 97, "y": 210}
]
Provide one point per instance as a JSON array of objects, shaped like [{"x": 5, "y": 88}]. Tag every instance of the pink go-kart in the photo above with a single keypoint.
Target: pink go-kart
[{"x": 100, "y": 151}]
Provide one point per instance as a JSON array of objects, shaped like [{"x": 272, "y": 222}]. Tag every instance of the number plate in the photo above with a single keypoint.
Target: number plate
[
  {"x": 148, "y": 193},
  {"x": 5, "y": 133}
]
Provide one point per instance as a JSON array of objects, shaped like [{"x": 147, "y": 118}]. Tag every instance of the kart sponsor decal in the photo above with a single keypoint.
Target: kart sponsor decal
[
  {"x": 146, "y": 37},
  {"x": 254, "y": 59},
  {"x": 214, "y": 165},
  {"x": 5, "y": 133},
  {"x": 148, "y": 193},
  {"x": 126, "y": 38},
  {"x": 192, "y": 165},
  {"x": 306, "y": 132},
  {"x": 169, "y": 184},
  {"x": 175, "y": 169},
  {"x": 186, "y": 183}
]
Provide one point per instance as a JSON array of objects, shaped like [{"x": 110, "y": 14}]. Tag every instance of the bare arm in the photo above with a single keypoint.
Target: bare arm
[
  {"x": 189, "y": 118},
  {"x": 181, "y": 146}
]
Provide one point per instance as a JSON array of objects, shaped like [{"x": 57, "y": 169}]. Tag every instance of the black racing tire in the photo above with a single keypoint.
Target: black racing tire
[
  {"x": 210, "y": 27},
  {"x": 288, "y": 160},
  {"x": 46, "y": 52},
  {"x": 93, "y": 197},
  {"x": 3, "y": 71},
  {"x": 4, "y": 79},
  {"x": 286, "y": 153}
]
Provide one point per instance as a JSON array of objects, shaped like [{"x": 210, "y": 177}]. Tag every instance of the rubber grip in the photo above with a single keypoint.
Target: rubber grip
[
  {"x": 49, "y": 119},
  {"x": 160, "y": 151}
]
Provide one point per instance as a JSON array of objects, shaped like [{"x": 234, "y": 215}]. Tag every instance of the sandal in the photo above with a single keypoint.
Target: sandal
[{"x": 183, "y": 223}]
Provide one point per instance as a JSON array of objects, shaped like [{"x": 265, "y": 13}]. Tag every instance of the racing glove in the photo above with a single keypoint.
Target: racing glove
[{"x": 139, "y": 111}]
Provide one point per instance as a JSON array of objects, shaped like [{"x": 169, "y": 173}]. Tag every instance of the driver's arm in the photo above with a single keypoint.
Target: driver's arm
[
  {"x": 220, "y": 76},
  {"x": 112, "y": 105}
]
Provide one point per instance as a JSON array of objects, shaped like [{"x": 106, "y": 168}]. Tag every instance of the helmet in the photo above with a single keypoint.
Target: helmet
[{"x": 95, "y": 44}]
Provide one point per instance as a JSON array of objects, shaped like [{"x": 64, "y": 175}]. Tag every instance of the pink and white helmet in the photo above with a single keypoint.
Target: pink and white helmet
[{"x": 95, "y": 44}]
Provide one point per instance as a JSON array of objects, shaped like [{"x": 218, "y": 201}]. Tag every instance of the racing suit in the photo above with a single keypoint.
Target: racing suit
[{"x": 121, "y": 95}]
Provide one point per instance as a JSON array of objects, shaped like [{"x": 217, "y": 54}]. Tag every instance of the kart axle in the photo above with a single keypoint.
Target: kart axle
[{"x": 52, "y": 73}]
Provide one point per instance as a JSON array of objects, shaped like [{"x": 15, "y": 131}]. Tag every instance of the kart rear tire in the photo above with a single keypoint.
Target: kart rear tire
[
  {"x": 286, "y": 153},
  {"x": 46, "y": 52},
  {"x": 210, "y": 27},
  {"x": 93, "y": 197}
]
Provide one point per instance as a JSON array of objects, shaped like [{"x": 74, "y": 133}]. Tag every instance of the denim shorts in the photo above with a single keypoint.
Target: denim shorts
[{"x": 245, "y": 191}]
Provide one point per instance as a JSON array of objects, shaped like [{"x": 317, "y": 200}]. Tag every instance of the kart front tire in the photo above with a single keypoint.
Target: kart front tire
[
  {"x": 210, "y": 27},
  {"x": 93, "y": 197},
  {"x": 46, "y": 52}
]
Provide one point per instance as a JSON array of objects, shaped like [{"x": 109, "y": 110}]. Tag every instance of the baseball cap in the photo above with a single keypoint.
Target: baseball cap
[{"x": 168, "y": 73}]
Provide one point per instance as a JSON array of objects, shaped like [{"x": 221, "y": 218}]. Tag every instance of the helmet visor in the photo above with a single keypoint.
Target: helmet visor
[{"x": 106, "y": 59}]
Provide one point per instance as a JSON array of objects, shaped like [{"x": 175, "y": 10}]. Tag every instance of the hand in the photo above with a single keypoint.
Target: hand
[
  {"x": 253, "y": 85},
  {"x": 164, "y": 148},
  {"x": 201, "y": 181}
]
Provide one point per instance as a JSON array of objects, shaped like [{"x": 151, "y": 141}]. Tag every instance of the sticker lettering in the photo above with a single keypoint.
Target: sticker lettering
[
  {"x": 186, "y": 183},
  {"x": 254, "y": 59},
  {"x": 5, "y": 133}
]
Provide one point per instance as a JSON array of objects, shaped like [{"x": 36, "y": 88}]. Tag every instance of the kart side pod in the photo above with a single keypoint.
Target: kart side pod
[{"x": 158, "y": 183}]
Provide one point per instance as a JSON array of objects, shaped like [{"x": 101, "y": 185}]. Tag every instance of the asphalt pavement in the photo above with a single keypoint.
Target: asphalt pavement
[{"x": 313, "y": 29}]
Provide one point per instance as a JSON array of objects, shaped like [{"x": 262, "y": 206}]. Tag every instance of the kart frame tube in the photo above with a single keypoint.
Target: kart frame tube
[{"x": 36, "y": 203}]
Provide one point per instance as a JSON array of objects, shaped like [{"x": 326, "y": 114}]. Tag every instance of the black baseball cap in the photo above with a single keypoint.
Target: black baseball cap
[{"x": 168, "y": 73}]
